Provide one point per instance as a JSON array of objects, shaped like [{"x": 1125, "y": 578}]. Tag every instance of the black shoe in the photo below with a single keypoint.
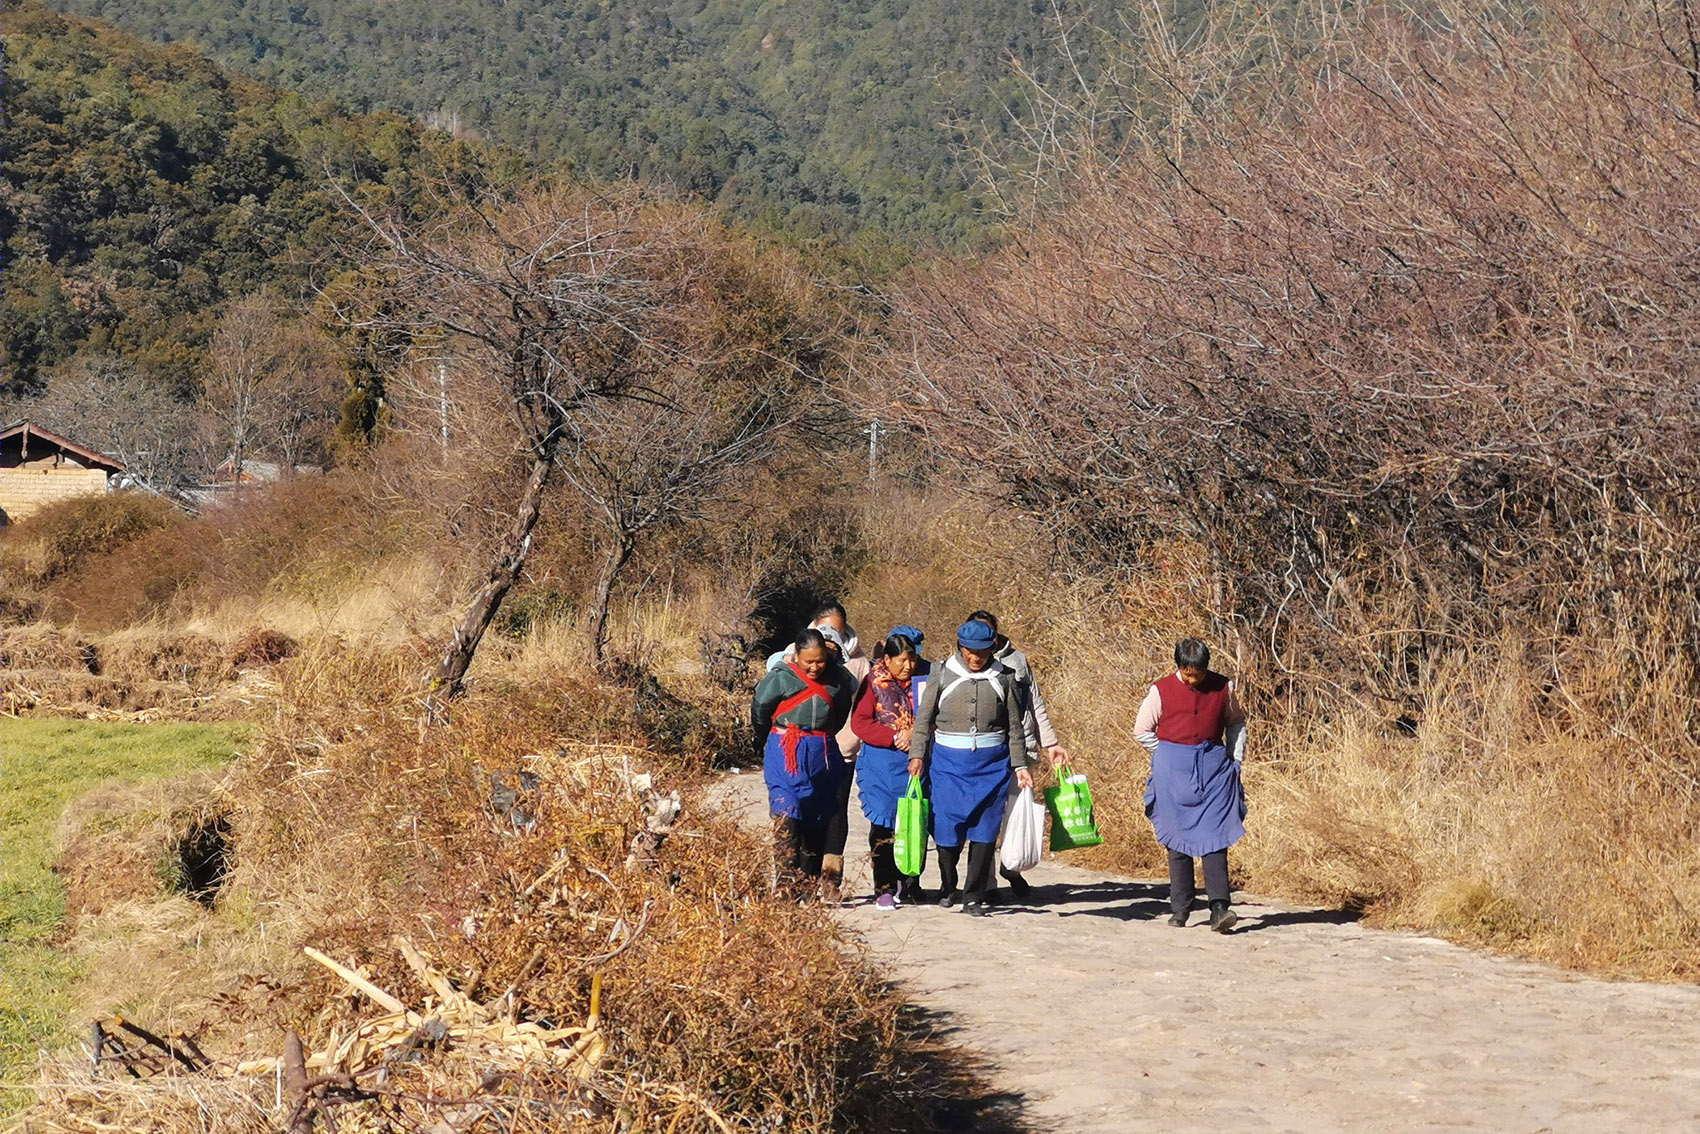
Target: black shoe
[
  {"x": 1222, "y": 918},
  {"x": 1018, "y": 885},
  {"x": 1178, "y": 919},
  {"x": 950, "y": 899},
  {"x": 911, "y": 894},
  {"x": 976, "y": 909}
]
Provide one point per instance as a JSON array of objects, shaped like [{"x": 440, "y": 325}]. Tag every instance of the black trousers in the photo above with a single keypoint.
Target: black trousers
[
  {"x": 982, "y": 860},
  {"x": 838, "y": 823},
  {"x": 797, "y": 849},
  {"x": 1183, "y": 886}
]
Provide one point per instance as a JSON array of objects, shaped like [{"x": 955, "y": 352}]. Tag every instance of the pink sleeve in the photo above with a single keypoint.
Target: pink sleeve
[
  {"x": 1150, "y": 710},
  {"x": 1236, "y": 711}
]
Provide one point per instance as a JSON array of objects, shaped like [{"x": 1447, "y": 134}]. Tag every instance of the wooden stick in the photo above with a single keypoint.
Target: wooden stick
[
  {"x": 377, "y": 995},
  {"x": 438, "y": 983}
]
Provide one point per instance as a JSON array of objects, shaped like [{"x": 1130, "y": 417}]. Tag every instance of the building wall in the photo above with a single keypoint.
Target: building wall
[{"x": 28, "y": 489}]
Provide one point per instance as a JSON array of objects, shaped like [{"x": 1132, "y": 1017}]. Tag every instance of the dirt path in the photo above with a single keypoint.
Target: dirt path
[{"x": 1102, "y": 1017}]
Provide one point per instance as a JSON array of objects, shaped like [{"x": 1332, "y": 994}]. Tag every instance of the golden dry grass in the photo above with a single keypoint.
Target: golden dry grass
[{"x": 1500, "y": 822}]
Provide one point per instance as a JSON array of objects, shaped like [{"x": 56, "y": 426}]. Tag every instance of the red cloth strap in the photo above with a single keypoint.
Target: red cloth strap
[{"x": 811, "y": 688}]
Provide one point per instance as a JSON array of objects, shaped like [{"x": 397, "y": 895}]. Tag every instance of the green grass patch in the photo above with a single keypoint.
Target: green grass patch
[{"x": 45, "y": 765}]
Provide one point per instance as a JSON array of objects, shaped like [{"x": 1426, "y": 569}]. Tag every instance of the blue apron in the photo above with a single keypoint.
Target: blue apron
[
  {"x": 809, "y": 795},
  {"x": 970, "y": 789},
  {"x": 1194, "y": 798},
  {"x": 882, "y": 774}
]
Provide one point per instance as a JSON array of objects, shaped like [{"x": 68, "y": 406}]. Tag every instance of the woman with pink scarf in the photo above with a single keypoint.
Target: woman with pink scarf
[{"x": 883, "y": 718}]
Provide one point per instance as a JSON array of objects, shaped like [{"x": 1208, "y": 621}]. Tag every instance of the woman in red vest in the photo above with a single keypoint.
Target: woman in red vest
[
  {"x": 1195, "y": 728},
  {"x": 795, "y": 713}
]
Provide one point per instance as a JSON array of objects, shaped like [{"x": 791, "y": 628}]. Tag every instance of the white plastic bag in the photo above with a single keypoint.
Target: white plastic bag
[{"x": 1024, "y": 836}]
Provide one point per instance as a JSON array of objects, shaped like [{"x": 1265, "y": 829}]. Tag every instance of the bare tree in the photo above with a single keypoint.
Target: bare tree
[
  {"x": 101, "y": 402},
  {"x": 597, "y": 319},
  {"x": 271, "y": 387},
  {"x": 1406, "y": 338}
]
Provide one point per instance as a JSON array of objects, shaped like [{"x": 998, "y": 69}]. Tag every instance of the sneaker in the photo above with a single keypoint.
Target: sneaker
[
  {"x": 1222, "y": 918},
  {"x": 950, "y": 899},
  {"x": 976, "y": 909},
  {"x": 910, "y": 893},
  {"x": 1178, "y": 919},
  {"x": 886, "y": 902},
  {"x": 830, "y": 893},
  {"x": 1018, "y": 885}
]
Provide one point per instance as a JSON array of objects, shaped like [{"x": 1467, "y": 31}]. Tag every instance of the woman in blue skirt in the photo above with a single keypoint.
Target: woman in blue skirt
[
  {"x": 968, "y": 729},
  {"x": 1194, "y": 726},
  {"x": 796, "y": 712},
  {"x": 884, "y": 719}
]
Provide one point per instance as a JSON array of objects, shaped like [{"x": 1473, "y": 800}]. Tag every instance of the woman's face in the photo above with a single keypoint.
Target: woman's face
[
  {"x": 812, "y": 661},
  {"x": 976, "y": 660},
  {"x": 1193, "y": 676},
  {"x": 900, "y": 666}
]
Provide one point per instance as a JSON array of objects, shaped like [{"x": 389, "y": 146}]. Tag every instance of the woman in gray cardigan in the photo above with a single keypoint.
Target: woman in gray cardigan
[{"x": 968, "y": 727}]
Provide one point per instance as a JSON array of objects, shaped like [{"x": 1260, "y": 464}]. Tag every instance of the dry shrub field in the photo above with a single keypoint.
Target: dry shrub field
[
  {"x": 533, "y": 855},
  {"x": 1396, "y": 329},
  {"x": 1373, "y": 363}
]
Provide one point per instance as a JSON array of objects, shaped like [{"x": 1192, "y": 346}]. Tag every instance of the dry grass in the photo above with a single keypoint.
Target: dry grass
[
  {"x": 1505, "y": 821},
  {"x": 723, "y": 1007}
]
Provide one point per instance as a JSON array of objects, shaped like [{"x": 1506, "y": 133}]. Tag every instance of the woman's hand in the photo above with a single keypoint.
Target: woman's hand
[
  {"x": 900, "y": 739},
  {"x": 1058, "y": 754},
  {"x": 1024, "y": 778},
  {"x": 915, "y": 765}
]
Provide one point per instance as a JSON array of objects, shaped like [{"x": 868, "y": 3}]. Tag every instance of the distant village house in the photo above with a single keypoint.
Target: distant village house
[{"x": 38, "y": 468}]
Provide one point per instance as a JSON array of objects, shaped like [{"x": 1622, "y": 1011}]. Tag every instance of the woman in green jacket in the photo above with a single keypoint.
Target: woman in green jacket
[{"x": 796, "y": 713}]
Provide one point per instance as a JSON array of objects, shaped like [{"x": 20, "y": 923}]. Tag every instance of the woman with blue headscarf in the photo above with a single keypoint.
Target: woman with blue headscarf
[{"x": 968, "y": 728}]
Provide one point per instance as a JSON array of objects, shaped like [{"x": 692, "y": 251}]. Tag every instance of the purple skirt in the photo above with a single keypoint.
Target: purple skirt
[{"x": 1194, "y": 799}]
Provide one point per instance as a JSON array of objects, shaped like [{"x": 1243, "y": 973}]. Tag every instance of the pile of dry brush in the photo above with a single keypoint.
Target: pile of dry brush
[{"x": 506, "y": 922}]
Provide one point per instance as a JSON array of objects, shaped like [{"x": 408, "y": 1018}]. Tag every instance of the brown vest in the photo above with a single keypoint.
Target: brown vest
[{"x": 1192, "y": 716}]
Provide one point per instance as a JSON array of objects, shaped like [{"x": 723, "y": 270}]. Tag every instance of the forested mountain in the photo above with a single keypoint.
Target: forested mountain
[
  {"x": 145, "y": 187},
  {"x": 811, "y": 116}
]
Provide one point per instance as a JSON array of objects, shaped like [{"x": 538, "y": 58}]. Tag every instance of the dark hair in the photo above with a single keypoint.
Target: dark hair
[
  {"x": 895, "y": 645},
  {"x": 1190, "y": 653},
  {"x": 831, "y": 606},
  {"x": 985, "y": 616},
  {"x": 809, "y": 640}
]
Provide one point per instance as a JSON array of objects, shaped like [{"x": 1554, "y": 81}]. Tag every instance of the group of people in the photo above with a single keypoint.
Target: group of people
[{"x": 972, "y": 728}]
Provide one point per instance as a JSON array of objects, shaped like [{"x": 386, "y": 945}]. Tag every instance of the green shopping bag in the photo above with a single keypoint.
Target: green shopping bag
[
  {"x": 909, "y": 838},
  {"x": 1070, "y": 805}
]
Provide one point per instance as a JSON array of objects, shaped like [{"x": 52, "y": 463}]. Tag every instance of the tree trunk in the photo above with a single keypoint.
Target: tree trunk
[
  {"x": 619, "y": 551},
  {"x": 449, "y": 679}
]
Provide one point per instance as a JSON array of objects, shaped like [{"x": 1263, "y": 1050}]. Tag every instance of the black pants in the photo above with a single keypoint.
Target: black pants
[
  {"x": 838, "y": 823},
  {"x": 981, "y": 861},
  {"x": 1183, "y": 884},
  {"x": 797, "y": 850},
  {"x": 886, "y": 875}
]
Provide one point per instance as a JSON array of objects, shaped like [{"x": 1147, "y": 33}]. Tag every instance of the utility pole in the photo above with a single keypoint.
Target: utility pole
[
  {"x": 443, "y": 401},
  {"x": 873, "y": 432}
]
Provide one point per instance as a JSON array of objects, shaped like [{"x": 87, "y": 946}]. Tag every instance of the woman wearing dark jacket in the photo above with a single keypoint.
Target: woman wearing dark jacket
[
  {"x": 795, "y": 713},
  {"x": 968, "y": 727},
  {"x": 884, "y": 719}
]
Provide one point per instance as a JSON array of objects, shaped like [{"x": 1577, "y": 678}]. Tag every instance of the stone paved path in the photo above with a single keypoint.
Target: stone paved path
[{"x": 1102, "y": 1017}]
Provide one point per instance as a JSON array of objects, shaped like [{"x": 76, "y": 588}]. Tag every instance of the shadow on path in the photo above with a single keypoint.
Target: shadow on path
[
  {"x": 946, "y": 1087},
  {"x": 1252, "y": 921}
]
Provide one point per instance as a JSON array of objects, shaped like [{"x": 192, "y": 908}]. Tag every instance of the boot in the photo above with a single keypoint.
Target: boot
[
  {"x": 832, "y": 879},
  {"x": 1018, "y": 886},
  {"x": 1222, "y": 917}
]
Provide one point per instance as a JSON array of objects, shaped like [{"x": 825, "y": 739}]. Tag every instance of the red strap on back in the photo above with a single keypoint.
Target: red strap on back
[{"x": 811, "y": 688}]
